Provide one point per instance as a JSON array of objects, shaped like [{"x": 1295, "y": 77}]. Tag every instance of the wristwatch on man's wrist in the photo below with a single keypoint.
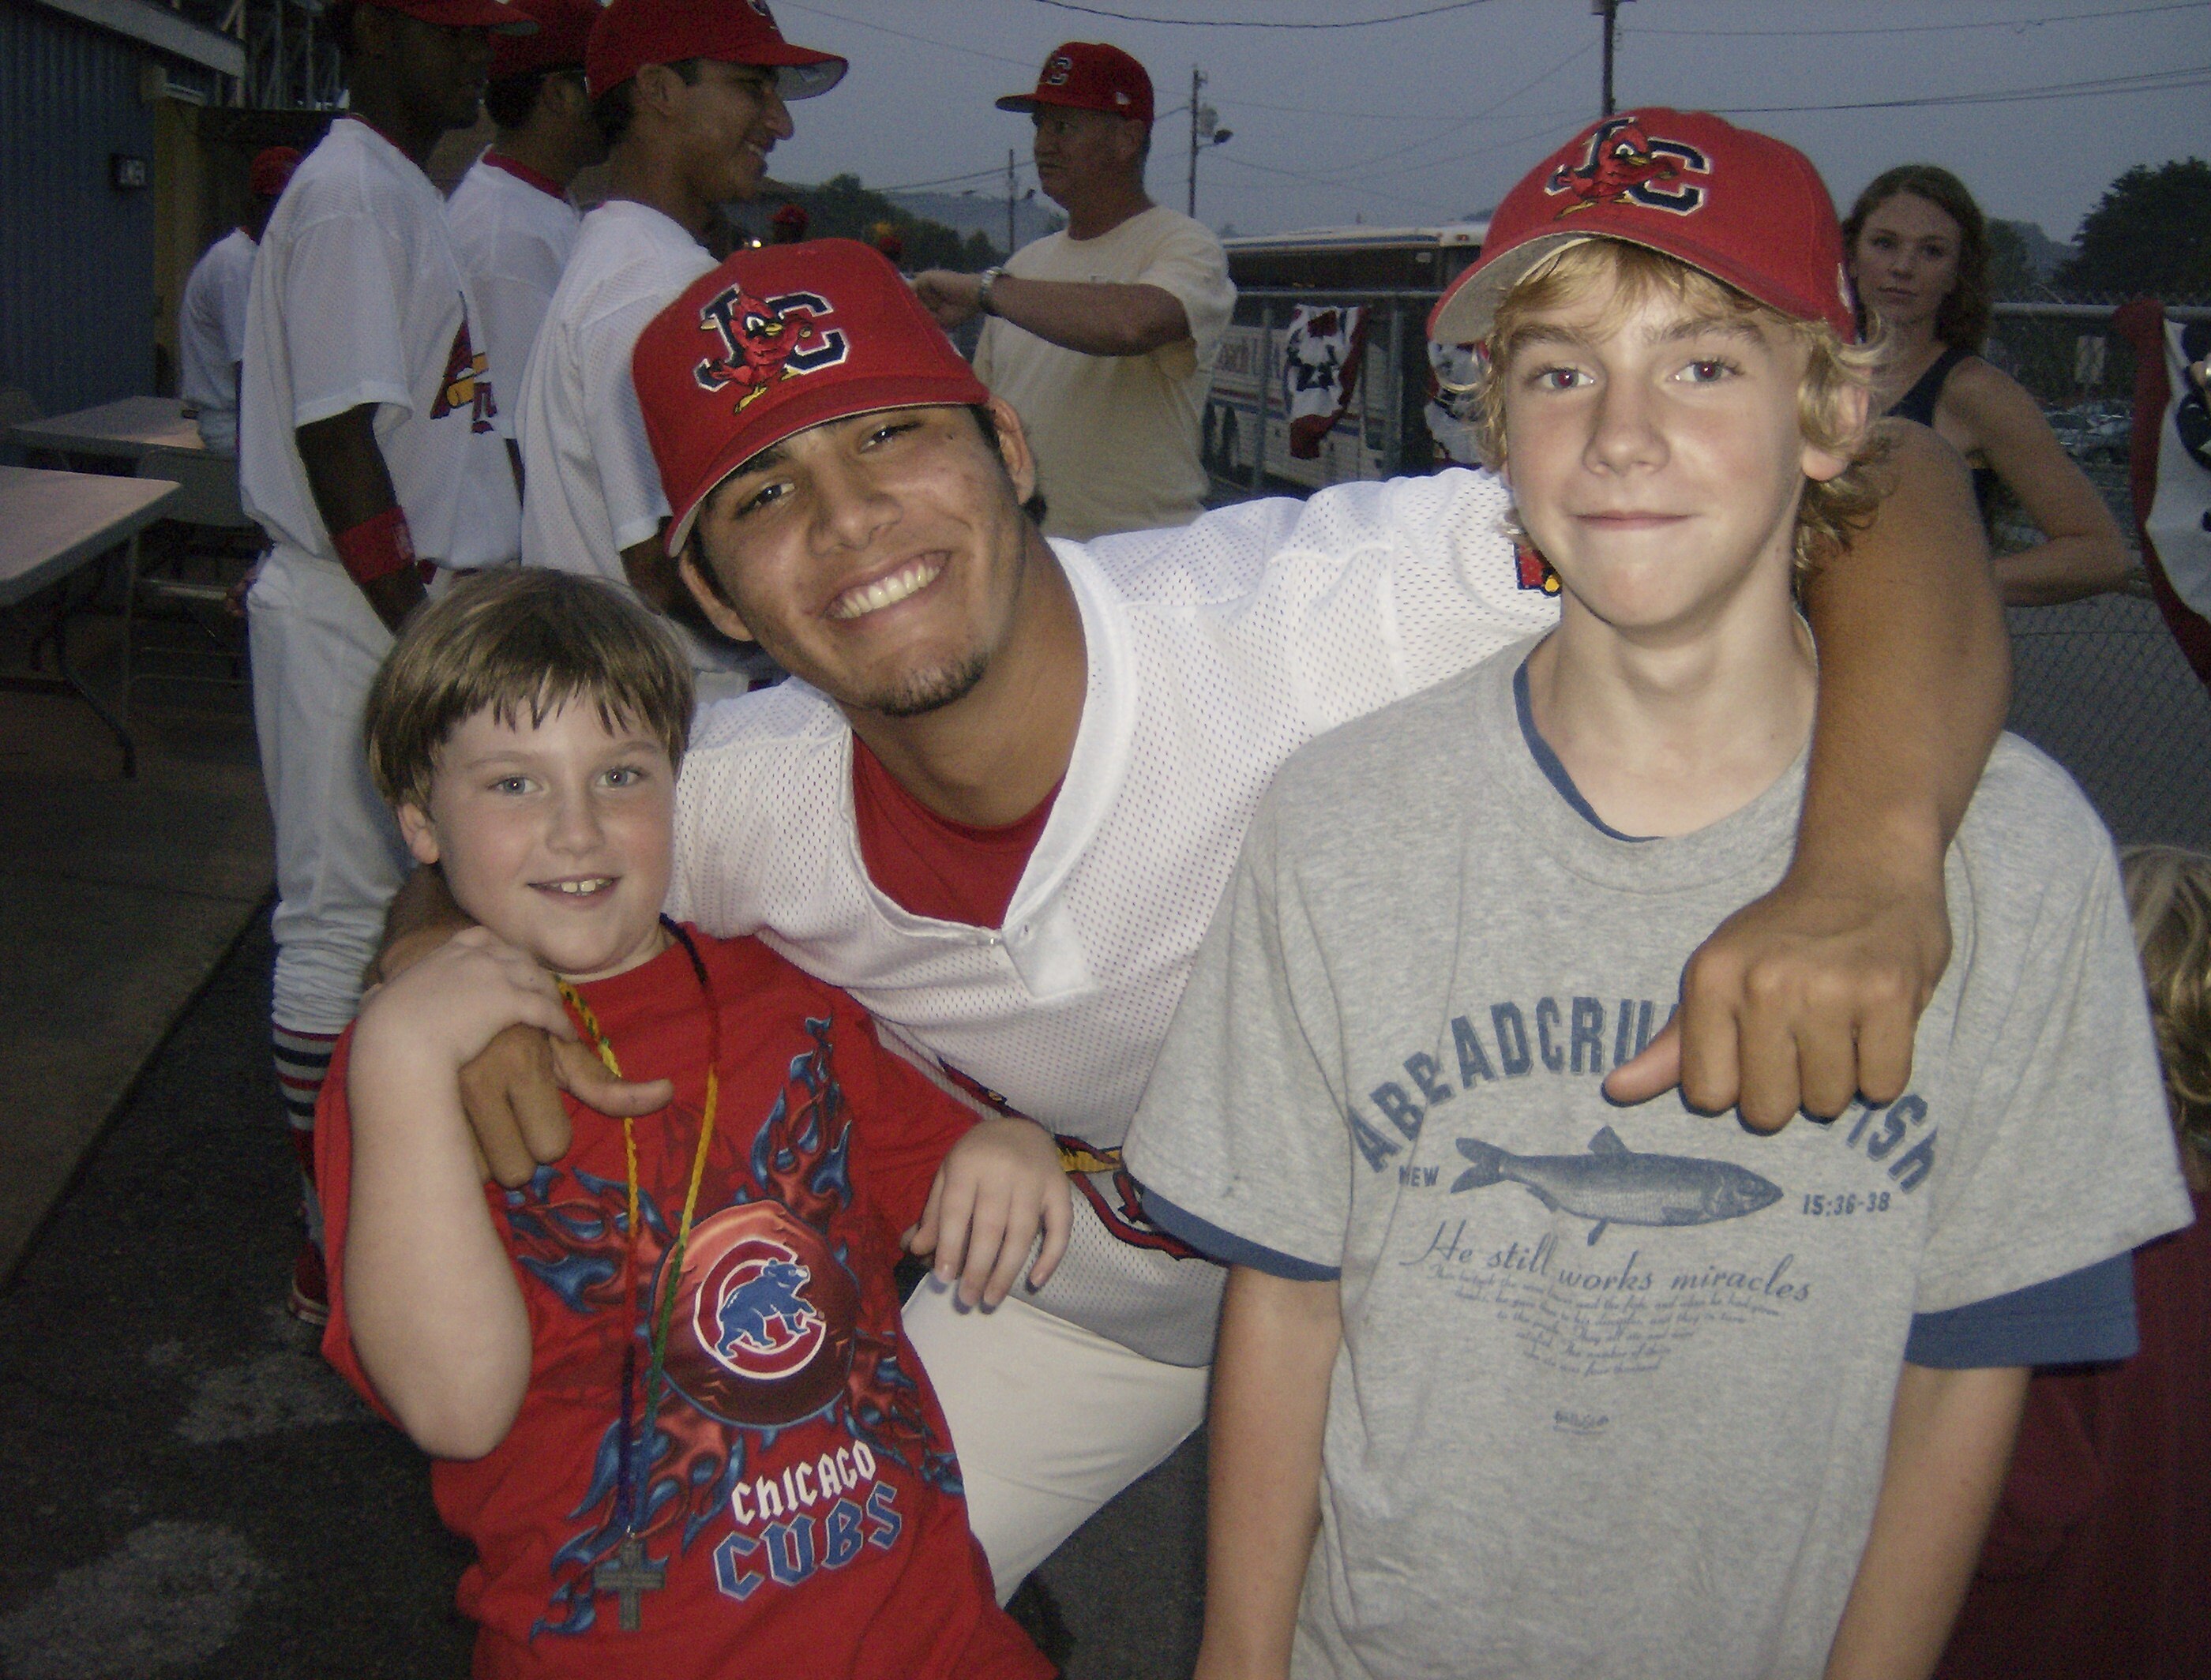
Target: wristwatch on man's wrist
[{"x": 982, "y": 289}]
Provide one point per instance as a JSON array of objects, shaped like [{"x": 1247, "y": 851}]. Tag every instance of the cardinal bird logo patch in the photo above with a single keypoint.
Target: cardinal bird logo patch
[
  {"x": 765, "y": 340},
  {"x": 1624, "y": 162},
  {"x": 467, "y": 383},
  {"x": 1535, "y": 571}
]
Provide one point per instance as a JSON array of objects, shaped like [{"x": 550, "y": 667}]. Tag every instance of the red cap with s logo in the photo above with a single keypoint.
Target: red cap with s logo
[
  {"x": 1089, "y": 76},
  {"x": 777, "y": 339}
]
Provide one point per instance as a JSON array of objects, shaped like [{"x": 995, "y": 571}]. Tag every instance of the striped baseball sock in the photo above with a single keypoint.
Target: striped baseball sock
[{"x": 303, "y": 1059}]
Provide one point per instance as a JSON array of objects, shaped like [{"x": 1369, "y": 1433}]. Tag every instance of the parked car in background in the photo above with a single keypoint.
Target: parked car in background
[{"x": 2096, "y": 431}]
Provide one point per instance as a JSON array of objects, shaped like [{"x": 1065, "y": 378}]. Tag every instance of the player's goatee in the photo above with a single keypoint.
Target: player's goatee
[{"x": 927, "y": 690}]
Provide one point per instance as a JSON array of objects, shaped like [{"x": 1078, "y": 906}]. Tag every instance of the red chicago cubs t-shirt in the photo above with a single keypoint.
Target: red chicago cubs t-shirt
[{"x": 804, "y": 1499}]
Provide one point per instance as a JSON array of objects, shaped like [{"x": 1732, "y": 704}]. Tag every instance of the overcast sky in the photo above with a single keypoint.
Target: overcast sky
[{"x": 1432, "y": 118}]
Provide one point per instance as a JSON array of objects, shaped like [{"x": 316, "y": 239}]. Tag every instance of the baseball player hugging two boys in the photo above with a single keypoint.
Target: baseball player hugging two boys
[{"x": 1492, "y": 1352}]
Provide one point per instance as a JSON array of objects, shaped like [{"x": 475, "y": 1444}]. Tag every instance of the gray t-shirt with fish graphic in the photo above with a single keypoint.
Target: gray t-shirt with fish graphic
[{"x": 1615, "y": 1386}]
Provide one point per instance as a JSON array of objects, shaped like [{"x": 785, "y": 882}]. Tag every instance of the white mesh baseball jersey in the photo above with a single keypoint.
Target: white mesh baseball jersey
[
  {"x": 512, "y": 238},
  {"x": 1216, "y": 651},
  {"x": 211, "y": 336},
  {"x": 357, "y": 298},
  {"x": 590, "y": 486}
]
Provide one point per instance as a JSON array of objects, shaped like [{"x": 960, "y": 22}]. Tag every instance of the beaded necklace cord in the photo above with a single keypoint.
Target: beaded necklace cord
[{"x": 660, "y": 1314}]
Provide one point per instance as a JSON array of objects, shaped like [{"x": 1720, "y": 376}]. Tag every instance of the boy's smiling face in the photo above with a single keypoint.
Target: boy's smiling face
[
  {"x": 555, "y": 834},
  {"x": 1655, "y": 453}
]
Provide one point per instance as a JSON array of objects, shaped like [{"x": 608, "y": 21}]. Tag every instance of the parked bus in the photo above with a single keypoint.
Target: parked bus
[{"x": 1394, "y": 274}]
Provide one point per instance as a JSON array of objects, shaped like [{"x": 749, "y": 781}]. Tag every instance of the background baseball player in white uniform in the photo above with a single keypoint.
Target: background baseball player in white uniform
[
  {"x": 690, "y": 96},
  {"x": 1139, "y": 692},
  {"x": 512, "y": 224},
  {"x": 211, "y": 319},
  {"x": 367, "y": 422}
]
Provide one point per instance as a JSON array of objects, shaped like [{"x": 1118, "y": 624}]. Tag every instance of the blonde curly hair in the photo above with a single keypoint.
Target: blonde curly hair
[
  {"x": 2169, "y": 897},
  {"x": 1829, "y": 511}
]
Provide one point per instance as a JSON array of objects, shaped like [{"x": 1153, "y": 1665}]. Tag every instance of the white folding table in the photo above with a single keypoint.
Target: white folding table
[
  {"x": 126, "y": 429},
  {"x": 53, "y": 525}
]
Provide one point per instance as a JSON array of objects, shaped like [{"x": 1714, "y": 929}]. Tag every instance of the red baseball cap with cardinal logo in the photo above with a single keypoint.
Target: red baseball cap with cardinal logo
[
  {"x": 633, "y": 34},
  {"x": 1089, "y": 76},
  {"x": 1743, "y": 207},
  {"x": 777, "y": 339},
  {"x": 564, "y": 28}
]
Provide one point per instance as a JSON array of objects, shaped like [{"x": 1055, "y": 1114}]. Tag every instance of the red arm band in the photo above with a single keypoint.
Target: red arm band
[{"x": 376, "y": 546}]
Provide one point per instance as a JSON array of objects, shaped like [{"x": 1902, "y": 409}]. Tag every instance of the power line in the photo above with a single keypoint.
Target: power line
[
  {"x": 1551, "y": 131},
  {"x": 2154, "y": 81},
  {"x": 1259, "y": 23},
  {"x": 1474, "y": 119},
  {"x": 1345, "y": 116},
  {"x": 1547, "y": 131},
  {"x": 1027, "y": 65},
  {"x": 2014, "y": 23},
  {"x": 1304, "y": 180},
  {"x": 996, "y": 172}
]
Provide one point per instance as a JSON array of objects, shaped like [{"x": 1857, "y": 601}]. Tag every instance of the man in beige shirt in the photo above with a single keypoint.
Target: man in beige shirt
[{"x": 1102, "y": 336}]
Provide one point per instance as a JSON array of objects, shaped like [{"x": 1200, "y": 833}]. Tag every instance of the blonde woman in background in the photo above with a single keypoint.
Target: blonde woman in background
[{"x": 1918, "y": 253}]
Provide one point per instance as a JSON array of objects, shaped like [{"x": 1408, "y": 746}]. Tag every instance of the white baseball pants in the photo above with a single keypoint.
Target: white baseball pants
[
  {"x": 1050, "y": 1420},
  {"x": 317, "y": 644}
]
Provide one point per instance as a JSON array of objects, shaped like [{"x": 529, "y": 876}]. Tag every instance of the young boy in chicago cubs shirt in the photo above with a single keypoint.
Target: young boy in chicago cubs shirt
[
  {"x": 1510, "y": 1382},
  {"x": 672, "y": 1404}
]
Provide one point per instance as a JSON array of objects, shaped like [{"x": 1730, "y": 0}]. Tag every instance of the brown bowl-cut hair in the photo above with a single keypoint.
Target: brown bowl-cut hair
[
  {"x": 520, "y": 640},
  {"x": 1963, "y": 319},
  {"x": 1828, "y": 512}
]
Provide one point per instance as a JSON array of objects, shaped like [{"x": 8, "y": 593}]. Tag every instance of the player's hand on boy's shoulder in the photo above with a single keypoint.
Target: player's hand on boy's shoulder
[
  {"x": 998, "y": 1187},
  {"x": 511, "y": 1091},
  {"x": 1799, "y": 1002},
  {"x": 474, "y": 1007},
  {"x": 510, "y": 1087}
]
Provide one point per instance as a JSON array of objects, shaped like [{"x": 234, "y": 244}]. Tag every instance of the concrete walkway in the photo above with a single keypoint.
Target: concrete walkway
[{"x": 117, "y": 900}]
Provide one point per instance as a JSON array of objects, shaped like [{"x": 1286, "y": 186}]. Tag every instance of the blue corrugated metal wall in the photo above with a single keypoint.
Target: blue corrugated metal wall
[{"x": 77, "y": 255}]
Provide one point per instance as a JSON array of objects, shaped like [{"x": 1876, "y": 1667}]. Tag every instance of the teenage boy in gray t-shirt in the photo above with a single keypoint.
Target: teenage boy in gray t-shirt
[{"x": 1564, "y": 1389}]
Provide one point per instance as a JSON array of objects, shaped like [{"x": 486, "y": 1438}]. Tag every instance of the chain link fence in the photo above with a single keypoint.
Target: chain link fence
[{"x": 2099, "y": 684}]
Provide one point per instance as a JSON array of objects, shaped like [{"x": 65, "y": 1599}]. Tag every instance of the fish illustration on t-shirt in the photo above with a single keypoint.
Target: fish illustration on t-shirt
[{"x": 1613, "y": 1185}]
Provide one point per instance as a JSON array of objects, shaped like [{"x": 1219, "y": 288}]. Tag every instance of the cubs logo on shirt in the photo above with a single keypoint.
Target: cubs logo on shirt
[
  {"x": 1622, "y": 161},
  {"x": 764, "y": 1317},
  {"x": 762, "y": 1322}
]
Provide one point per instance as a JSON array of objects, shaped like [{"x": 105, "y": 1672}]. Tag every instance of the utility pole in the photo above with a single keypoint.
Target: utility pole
[
  {"x": 1204, "y": 127},
  {"x": 1196, "y": 86},
  {"x": 1010, "y": 246},
  {"x": 1609, "y": 11}
]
